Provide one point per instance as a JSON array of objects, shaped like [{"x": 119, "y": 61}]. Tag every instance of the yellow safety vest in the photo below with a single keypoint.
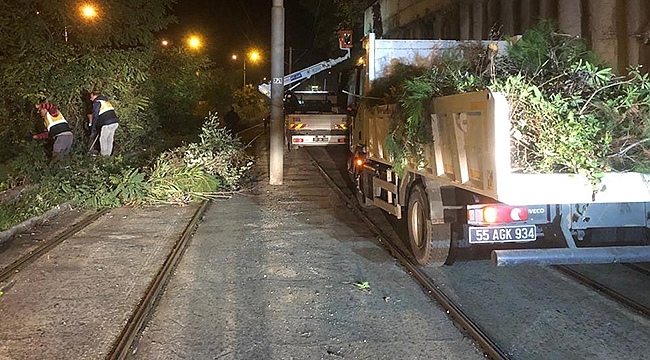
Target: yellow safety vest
[
  {"x": 105, "y": 106},
  {"x": 53, "y": 120}
]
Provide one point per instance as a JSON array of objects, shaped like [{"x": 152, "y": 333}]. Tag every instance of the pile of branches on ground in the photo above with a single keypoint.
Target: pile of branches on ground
[
  {"x": 214, "y": 166},
  {"x": 570, "y": 112},
  {"x": 217, "y": 163}
]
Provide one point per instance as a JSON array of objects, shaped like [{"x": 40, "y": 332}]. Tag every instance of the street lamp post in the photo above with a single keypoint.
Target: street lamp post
[
  {"x": 87, "y": 12},
  {"x": 244, "y": 71},
  {"x": 234, "y": 57},
  {"x": 253, "y": 56}
]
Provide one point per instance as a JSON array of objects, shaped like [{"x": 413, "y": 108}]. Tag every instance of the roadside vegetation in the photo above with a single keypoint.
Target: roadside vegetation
[
  {"x": 214, "y": 166},
  {"x": 170, "y": 146},
  {"x": 570, "y": 112}
]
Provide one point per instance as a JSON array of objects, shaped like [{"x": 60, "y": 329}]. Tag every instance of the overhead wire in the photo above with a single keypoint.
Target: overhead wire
[
  {"x": 232, "y": 14},
  {"x": 314, "y": 29},
  {"x": 251, "y": 24}
]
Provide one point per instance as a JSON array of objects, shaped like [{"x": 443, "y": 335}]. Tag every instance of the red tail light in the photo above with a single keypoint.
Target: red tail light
[
  {"x": 496, "y": 214},
  {"x": 297, "y": 140}
]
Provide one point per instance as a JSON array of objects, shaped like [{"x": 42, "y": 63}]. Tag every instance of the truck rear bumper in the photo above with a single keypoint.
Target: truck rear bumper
[
  {"x": 565, "y": 256},
  {"x": 318, "y": 140}
]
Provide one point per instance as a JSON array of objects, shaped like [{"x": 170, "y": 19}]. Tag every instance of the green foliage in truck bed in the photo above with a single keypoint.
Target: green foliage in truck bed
[
  {"x": 389, "y": 89},
  {"x": 452, "y": 73},
  {"x": 570, "y": 112}
]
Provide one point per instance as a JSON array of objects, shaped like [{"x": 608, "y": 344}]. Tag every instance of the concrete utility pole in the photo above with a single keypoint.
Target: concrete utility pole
[{"x": 277, "y": 93}]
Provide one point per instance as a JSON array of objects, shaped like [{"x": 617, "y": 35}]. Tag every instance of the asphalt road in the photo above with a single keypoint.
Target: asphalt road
[
  {"x": 290, "y": 271},
  {"x": 273, "y": 273}
]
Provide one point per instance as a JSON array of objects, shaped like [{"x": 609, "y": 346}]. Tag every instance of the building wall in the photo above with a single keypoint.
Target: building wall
[
  {"x": 402, "y": 12},
  {"x": 619, "y": 30}
]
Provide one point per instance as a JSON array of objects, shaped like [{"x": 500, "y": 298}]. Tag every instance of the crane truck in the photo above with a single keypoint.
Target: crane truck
[
  {"x": 465, "y": 195},
  {"x": 315, "y": 120}
]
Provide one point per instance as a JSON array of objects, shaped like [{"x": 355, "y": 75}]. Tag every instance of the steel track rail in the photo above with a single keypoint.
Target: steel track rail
[
  {"x": 490, "y": 348},
  {"x": 642, "y": 309},
  {"x": 128, "y": 337},
  {"x": 21, "y": 262},
  {"x": 638, "y": 267}
]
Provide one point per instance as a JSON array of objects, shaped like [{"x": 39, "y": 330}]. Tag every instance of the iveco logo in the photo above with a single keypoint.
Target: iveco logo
[{"x": 537, "y": 211}]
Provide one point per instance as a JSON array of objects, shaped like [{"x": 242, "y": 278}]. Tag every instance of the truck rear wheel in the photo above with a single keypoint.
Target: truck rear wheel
[
  {"x": 430, "y": 243},
  {"x": 290, "y": 146}
]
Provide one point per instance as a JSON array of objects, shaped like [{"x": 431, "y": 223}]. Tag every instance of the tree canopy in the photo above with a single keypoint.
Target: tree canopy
[{"x": 51, "y": 49}]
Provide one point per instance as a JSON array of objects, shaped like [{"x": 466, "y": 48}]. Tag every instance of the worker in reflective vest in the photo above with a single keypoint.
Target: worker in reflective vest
[
  {"x": 104, "y": 121},
  {"x": 57, "y": 128}
]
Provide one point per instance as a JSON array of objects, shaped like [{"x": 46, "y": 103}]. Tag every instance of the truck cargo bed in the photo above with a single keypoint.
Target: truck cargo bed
[{"x": 470, "y": 149}]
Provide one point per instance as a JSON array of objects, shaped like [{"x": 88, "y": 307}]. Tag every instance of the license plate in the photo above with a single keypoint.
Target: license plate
[
  {"x": 496, "y": 234},
  {"x": 321, "y": 139}
]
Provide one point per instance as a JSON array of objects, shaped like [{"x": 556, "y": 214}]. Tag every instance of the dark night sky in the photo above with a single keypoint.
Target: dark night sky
[
  {"x": 227, "y": 25},
  {"x": 232, "y": 26}
]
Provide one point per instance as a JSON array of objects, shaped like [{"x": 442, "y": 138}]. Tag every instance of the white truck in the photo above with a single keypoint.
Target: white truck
[
  {"x": 466, "y": 196},
  {"x": 315, "y": 120}
]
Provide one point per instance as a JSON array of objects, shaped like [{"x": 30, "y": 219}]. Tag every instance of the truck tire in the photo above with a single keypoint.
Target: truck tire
[
  {"x": 430, "y": 243},
  {"x": 290, "y": 146}
]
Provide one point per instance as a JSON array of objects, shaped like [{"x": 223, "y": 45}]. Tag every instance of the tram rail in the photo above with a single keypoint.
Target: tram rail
[
  {"x": 7, "y": 272},
  {"x": 608, "y": 290},
  {"x": 487, "y": 344},
  {"x": 127, "y": 340}
]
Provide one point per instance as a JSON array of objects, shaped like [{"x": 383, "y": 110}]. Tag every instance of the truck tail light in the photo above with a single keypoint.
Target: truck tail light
[
  {"x": 297, "y": 140},
  {"x": 496, "y": 214}
]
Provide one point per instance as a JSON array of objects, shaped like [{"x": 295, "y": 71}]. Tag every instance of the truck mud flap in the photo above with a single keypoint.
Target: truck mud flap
[
  {"x": 389, "y": 206},
  {"x": 575, "y": 256}
]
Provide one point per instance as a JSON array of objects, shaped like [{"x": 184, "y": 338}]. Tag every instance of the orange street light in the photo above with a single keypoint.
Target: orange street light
[
  {"x": 194, "y": 42},
  {"x": 88, "y": 11},
  {"x": 254, "y": 56}
]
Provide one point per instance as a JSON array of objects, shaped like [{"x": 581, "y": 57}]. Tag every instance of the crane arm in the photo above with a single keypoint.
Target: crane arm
[{"x": 305, "y": 73}]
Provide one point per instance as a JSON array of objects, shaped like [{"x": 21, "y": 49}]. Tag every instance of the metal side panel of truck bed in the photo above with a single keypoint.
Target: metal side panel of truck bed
[{"x": 470, "y": 149}]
